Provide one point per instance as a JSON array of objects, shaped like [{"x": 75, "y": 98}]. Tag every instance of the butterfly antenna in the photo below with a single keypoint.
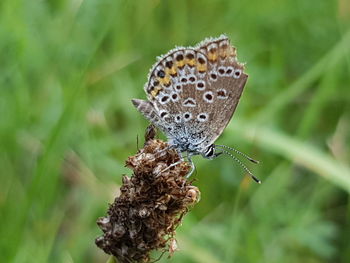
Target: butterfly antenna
[
  {"x": 236, "y": 151},
  {"x": 243, "y": 166}
]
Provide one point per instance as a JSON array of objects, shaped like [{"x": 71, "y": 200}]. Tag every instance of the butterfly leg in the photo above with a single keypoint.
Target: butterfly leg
[
  {"x": 193, "y": 168},
  {"x": 169, "y": 167},
  {"x": 173, "y": 164},
  {"x": 161, "y": 152}
]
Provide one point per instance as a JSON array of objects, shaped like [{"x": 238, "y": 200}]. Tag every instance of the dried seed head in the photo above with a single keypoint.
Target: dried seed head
[
  {"x": 150, "y": 207},
  {"x": 104, "y": 223},
  {"x": 144, "y": 213},
  {"x": 193, "y": 195}
]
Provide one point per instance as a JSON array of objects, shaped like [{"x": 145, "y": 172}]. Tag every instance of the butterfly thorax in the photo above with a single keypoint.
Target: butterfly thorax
[{"x": 187, "y": 140}]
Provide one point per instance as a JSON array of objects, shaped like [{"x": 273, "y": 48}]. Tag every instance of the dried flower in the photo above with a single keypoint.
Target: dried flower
[{"x": 151, "y": 205}]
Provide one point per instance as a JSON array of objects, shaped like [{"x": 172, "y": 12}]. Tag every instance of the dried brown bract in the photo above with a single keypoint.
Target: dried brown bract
[{"x": 150, "y": 207}]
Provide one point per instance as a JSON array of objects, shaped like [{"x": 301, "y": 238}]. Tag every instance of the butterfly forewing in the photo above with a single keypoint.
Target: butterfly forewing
[{"x": 226, "y": 80}]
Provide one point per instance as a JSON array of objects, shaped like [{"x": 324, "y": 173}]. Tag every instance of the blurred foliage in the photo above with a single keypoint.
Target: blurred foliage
[{"x": 68, "y": 71}]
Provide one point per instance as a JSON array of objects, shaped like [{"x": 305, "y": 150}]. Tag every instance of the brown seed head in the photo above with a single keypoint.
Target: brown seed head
[{"x": 150, "y": 207}]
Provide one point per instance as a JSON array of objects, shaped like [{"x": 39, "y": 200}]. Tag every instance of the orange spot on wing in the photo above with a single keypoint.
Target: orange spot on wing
[
  {"x": 156, "y": 91},
  {"x": 180, "y": 64},
  {"x": 170, "y": 71},
  {"x": 165, "y": 81},
  {"x": 212, "y": 56},
  {"x": 201, "y": 67},
  {"x": 191, "y": 62}
]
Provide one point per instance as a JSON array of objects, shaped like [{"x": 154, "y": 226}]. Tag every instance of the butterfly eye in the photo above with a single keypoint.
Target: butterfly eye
[{"x": 209, "y": 152}]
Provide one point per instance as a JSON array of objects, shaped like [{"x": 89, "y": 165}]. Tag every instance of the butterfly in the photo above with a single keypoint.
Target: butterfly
[{"x": 192, "y": 94}]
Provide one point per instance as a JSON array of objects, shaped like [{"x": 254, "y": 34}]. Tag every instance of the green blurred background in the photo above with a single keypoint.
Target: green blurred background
[{"x": 68, "y": 70}]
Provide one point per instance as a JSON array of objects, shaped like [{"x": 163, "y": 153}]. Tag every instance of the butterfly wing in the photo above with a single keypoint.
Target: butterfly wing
[
  {"x": 226, "y": 80},
  {"x": 193, "y": 93}
]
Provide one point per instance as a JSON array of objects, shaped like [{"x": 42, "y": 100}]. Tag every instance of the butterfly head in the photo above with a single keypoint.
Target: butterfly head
[{"x": 210, "y": 152}]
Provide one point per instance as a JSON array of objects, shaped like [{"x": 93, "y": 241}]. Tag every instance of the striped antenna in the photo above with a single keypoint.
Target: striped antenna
[
  {"x": 236, "y": 151},
  {"x": 243, "y": 166}
]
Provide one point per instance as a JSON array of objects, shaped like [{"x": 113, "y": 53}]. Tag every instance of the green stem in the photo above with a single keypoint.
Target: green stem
[{"x": 112, "y": 259}]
